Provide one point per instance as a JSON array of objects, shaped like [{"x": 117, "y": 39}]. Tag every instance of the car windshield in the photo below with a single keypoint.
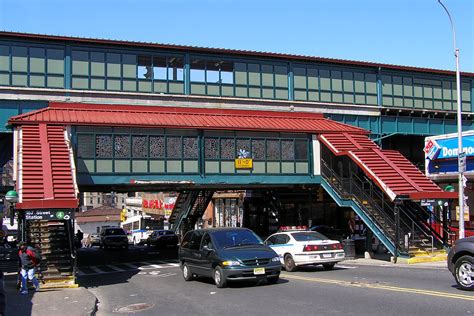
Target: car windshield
[
  {"x": 308, "y": 236},
  {"x": 235, "y": 238},
  {"x": 117, "y": 231}
]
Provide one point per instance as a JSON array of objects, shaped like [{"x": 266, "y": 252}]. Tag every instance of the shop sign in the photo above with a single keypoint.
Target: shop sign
[
  {"x": 448, "y": 148},
  {"x": 243, "y": 163},
  {"x": 158, "y": 204},
  {"x": 48, "y": 214}
]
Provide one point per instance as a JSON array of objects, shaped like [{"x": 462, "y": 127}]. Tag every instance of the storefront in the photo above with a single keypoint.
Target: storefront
[{"x": 441, "y": 154}]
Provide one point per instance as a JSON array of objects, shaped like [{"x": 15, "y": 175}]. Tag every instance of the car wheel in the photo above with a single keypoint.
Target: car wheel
[
  {"x": 464, "y": 273},
  {"x": 187, "y": 275},
  {"x": 290, "y": 265},
  {"x": 328, "y": 266},
  {"x": 219, "y": 278},
  {"x": 273, "y": 279}
]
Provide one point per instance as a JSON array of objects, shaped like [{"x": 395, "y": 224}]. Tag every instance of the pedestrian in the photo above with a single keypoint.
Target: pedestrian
[
  {"x": 79, "y": 237},
  {"x": 29, "y": 261}
]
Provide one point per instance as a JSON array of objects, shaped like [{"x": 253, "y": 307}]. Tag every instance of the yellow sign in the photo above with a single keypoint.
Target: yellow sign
[
  {"x": 466, "y": 213},
  {"x": 243, "y": 163}
]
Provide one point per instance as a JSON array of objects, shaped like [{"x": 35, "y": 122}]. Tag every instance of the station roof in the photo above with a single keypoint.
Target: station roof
[
  {"x": 235, "y": 52},
  {"x": 182, "y": 117}
]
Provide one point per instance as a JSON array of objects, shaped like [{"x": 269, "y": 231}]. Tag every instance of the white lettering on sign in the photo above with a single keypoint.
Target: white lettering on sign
[{"x": 451, "y": 152}]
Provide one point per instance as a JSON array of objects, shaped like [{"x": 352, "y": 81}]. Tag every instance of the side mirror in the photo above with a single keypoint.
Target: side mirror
[{"x": 206, "y": 248}]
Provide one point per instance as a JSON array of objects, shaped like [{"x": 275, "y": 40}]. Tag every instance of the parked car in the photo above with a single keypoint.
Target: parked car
[
  {"x": 162, "y": 238},
  {"x": 302, "y": 248},
  {"x": 330, "y": 232},
  {"x": 113, "y": 237},
  {"x": 461, "y": 263},
  {"x": 227, "y": 254},
  {"x": 94, "y": 240}
]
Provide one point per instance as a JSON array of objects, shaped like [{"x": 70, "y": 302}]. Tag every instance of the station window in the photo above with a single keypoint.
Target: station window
[
  {"x": 134, "y": 150},
  {"x": 270, "y": 155},
  {"x": 423, "y": 93}
]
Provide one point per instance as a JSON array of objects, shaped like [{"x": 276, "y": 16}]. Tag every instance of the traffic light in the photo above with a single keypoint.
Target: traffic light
[{"x": 123, "y": 215}]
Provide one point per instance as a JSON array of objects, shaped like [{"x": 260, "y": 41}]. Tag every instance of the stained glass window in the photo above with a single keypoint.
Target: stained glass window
[{"x": 157, "y": 146}]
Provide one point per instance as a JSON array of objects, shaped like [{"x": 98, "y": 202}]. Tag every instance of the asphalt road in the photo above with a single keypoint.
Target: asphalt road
[{"x": 350, "y": 289}]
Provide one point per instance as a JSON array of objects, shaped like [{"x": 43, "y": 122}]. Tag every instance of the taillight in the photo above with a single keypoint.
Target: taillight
[
  {"x": 337, "y": 246},
  {"x": 311, "y": 248}
]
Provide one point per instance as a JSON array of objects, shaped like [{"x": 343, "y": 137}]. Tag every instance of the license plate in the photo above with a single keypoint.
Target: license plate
[
  {"x": 258, "y": 271},
  {"x": 327, "y": 255}
]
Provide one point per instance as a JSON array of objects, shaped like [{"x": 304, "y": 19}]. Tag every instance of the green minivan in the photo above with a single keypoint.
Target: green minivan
[{"x": 227, "y": 254}]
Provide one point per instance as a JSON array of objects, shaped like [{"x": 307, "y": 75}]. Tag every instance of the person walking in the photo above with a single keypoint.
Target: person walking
[{"x": 29, "y": 260}]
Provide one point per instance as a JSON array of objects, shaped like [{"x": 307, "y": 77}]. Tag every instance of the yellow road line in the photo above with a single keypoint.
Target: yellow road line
[{"x": 381, "y": 287}]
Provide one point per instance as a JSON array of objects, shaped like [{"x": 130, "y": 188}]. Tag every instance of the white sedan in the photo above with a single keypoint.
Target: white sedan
[{"x": 300, "y": 248}]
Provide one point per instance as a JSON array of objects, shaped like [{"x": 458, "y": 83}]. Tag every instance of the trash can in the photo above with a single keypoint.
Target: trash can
[
  {"x": 359, "y": 245},
  {"x": 349, "y": 248}
]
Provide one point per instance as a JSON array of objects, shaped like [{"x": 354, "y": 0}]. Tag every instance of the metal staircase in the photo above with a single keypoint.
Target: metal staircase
[
  {"x": 189, "y": 207},
  {"x": 400, "y": 225}
]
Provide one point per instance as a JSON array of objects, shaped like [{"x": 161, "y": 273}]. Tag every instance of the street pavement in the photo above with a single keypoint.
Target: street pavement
[{"x": 154, "y": 286}]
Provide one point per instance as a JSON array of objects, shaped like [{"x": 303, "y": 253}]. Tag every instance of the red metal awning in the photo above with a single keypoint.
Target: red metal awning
[
  {"x": 342, "y": 143},
  {"x": 45, "y": 176},
  {"x": 389, "y": 169},
  {"x": 181, "y": 117}
]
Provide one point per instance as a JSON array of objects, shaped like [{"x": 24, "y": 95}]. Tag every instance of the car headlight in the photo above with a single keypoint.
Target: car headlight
[
  {"x": 276, "y": 259},
  {"x": 230, "y": 263}
]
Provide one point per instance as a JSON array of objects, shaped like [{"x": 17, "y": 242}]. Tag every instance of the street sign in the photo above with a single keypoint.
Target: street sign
[{"x": 48, "y": 214}]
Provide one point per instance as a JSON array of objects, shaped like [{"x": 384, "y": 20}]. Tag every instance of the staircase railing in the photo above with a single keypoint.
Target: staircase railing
[
  {"x": 184, "y": 208},
  {"x": 402, "y": 231}
]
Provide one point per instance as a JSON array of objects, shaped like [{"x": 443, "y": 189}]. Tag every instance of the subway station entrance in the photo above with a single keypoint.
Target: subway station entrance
[{"x": 67, "y": 148}]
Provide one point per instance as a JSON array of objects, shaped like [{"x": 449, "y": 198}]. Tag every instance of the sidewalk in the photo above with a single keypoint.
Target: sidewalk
[
  {"x": 384, "y": 260},
  {"x": 60, "y": 302}
]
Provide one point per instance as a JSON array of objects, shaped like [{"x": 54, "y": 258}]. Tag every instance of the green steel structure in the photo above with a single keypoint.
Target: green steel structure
[{"x": 390, "y": 101}]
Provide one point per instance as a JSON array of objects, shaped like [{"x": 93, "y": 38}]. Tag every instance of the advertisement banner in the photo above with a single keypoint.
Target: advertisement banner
[{"x": 158, "y": 204}]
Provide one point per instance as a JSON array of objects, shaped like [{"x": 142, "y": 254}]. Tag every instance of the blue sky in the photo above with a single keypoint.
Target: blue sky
[{"x": 402, "y": 32}]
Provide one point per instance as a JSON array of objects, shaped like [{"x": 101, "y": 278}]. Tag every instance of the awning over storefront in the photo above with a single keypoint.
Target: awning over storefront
[{"x": 389, "y": 169}]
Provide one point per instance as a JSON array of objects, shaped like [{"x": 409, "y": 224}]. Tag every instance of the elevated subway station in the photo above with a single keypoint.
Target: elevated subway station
[
  {"x": 145, "y": 116},
  {"x": 196, "y": 152}
]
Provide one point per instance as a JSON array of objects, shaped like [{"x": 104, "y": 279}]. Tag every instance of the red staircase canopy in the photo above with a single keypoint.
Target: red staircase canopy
[
  {"x": 45, "y": 176},
  {"x": 389, "y": 169}
]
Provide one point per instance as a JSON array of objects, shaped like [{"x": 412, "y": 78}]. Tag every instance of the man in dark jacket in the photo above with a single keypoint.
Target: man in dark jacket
[{"x": 28, "y": 262}]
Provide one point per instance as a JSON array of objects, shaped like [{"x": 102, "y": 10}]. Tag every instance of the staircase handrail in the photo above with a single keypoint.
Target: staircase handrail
[{"x": 325, "y": 168}]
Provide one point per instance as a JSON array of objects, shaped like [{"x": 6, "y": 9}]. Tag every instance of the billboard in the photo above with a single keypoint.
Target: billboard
[{"x": 158, "y": 204}]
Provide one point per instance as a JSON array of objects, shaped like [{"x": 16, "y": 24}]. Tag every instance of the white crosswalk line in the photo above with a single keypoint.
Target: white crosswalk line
[
  {"x": 115, "y": 268},
  {"x": 96, "y": 269},
  {"x": 130, "y": 265}
]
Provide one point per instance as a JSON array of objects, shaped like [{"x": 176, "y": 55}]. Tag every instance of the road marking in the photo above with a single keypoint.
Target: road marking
[
  {"x": 97, "y": 270},
  {"x": 115, "y": 268},
  {"x": 140, "y": 266},
  {"x": 381, "y": 287},
  {"x": 345, "y": 267}
]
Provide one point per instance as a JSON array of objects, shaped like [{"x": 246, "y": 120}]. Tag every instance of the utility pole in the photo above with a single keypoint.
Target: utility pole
[{"x": 461, "y": 154}]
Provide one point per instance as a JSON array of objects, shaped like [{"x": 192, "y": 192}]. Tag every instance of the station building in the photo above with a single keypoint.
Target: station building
[{"x": 316, "y": 136}]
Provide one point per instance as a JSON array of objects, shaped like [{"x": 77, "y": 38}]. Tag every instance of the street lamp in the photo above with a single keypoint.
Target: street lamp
[
  {"x": 461, "y": 155},
  {"x": 12, "y": 197}
]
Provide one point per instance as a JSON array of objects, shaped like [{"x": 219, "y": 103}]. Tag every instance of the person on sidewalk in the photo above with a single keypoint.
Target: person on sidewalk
[{"x": 29, "y": 260}]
